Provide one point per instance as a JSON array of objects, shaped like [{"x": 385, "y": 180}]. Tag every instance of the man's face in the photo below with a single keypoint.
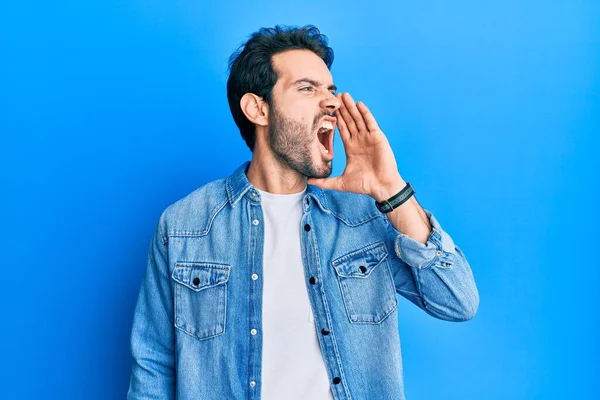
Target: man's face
[{"x": 301, "y": 114}]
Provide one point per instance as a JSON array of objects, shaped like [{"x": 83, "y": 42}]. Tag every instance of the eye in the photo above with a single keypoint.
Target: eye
[{"x": 306, "y": 87}]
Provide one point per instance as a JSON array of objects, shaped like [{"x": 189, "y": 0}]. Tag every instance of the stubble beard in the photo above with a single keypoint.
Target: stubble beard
[{"x": 292, "y": 143}]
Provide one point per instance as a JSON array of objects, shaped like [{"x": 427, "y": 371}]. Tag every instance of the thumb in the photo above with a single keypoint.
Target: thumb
[{"x": 326, "y": 183}]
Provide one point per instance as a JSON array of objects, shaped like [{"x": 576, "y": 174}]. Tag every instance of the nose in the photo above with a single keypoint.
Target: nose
[{"x": 331, "y": 102}]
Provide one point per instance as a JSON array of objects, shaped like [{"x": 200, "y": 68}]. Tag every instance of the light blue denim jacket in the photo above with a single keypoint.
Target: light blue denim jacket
[{"x": 197, "y": 323}]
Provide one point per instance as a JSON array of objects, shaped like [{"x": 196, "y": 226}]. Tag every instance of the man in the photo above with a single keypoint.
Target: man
[{"x": 279, "y": 282}]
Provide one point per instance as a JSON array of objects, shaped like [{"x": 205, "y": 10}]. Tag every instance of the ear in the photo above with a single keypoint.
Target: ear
[{"x": 255, "y": 109}]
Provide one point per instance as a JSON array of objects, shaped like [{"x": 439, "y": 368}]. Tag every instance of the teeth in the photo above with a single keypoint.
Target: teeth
[{"x": 327, "y": 125}]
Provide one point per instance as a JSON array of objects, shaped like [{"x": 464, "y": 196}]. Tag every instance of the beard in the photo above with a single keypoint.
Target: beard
[{"x": 292, "y": 143}]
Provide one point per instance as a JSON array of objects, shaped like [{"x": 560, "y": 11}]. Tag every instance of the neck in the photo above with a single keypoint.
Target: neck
[{"x": 271, "y": 175}]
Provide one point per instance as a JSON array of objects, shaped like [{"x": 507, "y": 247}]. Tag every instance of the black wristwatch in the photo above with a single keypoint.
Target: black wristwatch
[{"x": 396, "y": 200}]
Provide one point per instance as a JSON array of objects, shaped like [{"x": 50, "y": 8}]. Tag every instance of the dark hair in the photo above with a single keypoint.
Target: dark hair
[{"x": 251, "y": 70}]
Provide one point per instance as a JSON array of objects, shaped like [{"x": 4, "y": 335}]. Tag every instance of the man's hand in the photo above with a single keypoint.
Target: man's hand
[{"x": 370, "y": 163}]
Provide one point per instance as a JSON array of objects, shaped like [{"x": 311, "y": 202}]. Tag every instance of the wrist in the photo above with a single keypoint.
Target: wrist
[{"x": 384, "y": 192}]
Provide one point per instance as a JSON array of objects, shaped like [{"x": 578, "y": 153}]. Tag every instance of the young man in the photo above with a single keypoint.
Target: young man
[{"x": 279, "y": 282}]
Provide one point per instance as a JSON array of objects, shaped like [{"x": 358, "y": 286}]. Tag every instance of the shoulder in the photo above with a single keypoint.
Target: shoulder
[{"x": 192, "y": 214}]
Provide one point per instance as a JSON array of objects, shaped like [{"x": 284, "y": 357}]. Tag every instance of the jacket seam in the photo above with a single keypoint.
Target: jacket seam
[
  {"x": 197, "y": 233},
  {"x": 371, "y": 217}
]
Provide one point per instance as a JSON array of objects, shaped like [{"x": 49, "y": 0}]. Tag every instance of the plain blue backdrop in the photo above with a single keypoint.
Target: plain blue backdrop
[{"x": 112, "y": 110}]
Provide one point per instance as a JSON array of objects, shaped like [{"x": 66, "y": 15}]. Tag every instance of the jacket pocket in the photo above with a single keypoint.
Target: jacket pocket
[
  {"x": 366, "y": 284},
  {"x": 201, "y": 298}
]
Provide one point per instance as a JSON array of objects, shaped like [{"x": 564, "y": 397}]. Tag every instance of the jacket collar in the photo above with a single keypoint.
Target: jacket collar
[{"x": 237, "y": 184}]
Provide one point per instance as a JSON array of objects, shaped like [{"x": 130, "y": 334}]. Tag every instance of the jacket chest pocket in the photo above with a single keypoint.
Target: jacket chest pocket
[
  {"x": 201, "y": 298},
  {"x": 366, "y": 284}
]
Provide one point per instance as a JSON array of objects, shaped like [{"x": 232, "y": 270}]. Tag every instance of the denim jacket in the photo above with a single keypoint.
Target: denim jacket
[{"x": 197, "y": 323}]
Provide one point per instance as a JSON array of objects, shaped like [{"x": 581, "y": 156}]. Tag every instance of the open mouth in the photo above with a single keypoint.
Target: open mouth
[{"x": 325, "y": 136}]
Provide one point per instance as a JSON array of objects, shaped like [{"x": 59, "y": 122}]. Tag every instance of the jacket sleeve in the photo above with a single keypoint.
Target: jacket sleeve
[
  {"x": 435, "y": 276},
  {"x": 152, "y": 334}
]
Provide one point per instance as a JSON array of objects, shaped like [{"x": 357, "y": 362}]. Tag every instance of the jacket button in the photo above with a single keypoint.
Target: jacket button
[
  {"x": 307, "y": 227},
  {"x": 336, "y": 380},
  {"x": 325, "y": 331},
  {"x": 362, "y": 269},
  {"x": 196, "y": 281},
  {"x": 312, "y": 280}
]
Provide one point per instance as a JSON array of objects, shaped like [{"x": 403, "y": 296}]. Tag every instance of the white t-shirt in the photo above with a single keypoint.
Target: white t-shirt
[{"x": 292, "y": 364}]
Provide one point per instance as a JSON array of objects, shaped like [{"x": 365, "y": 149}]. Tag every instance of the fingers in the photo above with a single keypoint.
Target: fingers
[
  {"x": 367, "y": 116},
  {"x": 355, "y": 117},
  {"x": 347, "y": 120},
  {"x": 341, "y": 124},
  {"x": 353, "y": 111}
]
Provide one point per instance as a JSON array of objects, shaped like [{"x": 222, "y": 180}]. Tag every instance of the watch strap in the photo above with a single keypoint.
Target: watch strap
[{"x": 396, "y": 200}]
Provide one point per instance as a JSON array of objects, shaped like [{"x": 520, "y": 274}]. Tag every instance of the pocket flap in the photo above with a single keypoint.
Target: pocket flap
[
  {"x": 200, "y": 275},
  {"x": 360, "y": 263}
]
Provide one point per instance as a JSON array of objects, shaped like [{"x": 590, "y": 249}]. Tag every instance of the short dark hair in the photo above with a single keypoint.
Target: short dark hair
[{"x": 251, "y": 69}]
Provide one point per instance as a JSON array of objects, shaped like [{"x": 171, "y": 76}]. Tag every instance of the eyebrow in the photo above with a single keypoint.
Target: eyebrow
[{"x": 314, "y": 83}]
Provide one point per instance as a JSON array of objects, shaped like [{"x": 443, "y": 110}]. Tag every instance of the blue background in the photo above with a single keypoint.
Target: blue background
[{"x": 110, "y": 111}]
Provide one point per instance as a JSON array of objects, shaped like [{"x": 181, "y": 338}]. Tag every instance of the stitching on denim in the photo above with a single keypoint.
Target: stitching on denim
[
  {"x": 179, "y": 312},
  {"x": 196, "y": 232},
  {"x": 229, "y": 190},
  {"x": 329, "y": 322},
  {"x": 161, "y": 221},
  {"x": 214, "y": 264},
  {"x": 390, "y": 312},
  {"x": 360, "y": 222},
  {"x": 198, "y": 337},
  {"x": 381, "y": 319},
  {"x": 362, "y": 250},
  {"x": 339, "y": 271},
  {"x": 354, "y": 317},
  {"x": 321, "y": 200},
  {"x": 224, "y": 272},
  {"x": 398, "y": 252}
]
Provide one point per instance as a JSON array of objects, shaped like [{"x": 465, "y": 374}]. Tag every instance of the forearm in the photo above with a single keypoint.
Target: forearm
[{"x": 409, "y": 218}]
